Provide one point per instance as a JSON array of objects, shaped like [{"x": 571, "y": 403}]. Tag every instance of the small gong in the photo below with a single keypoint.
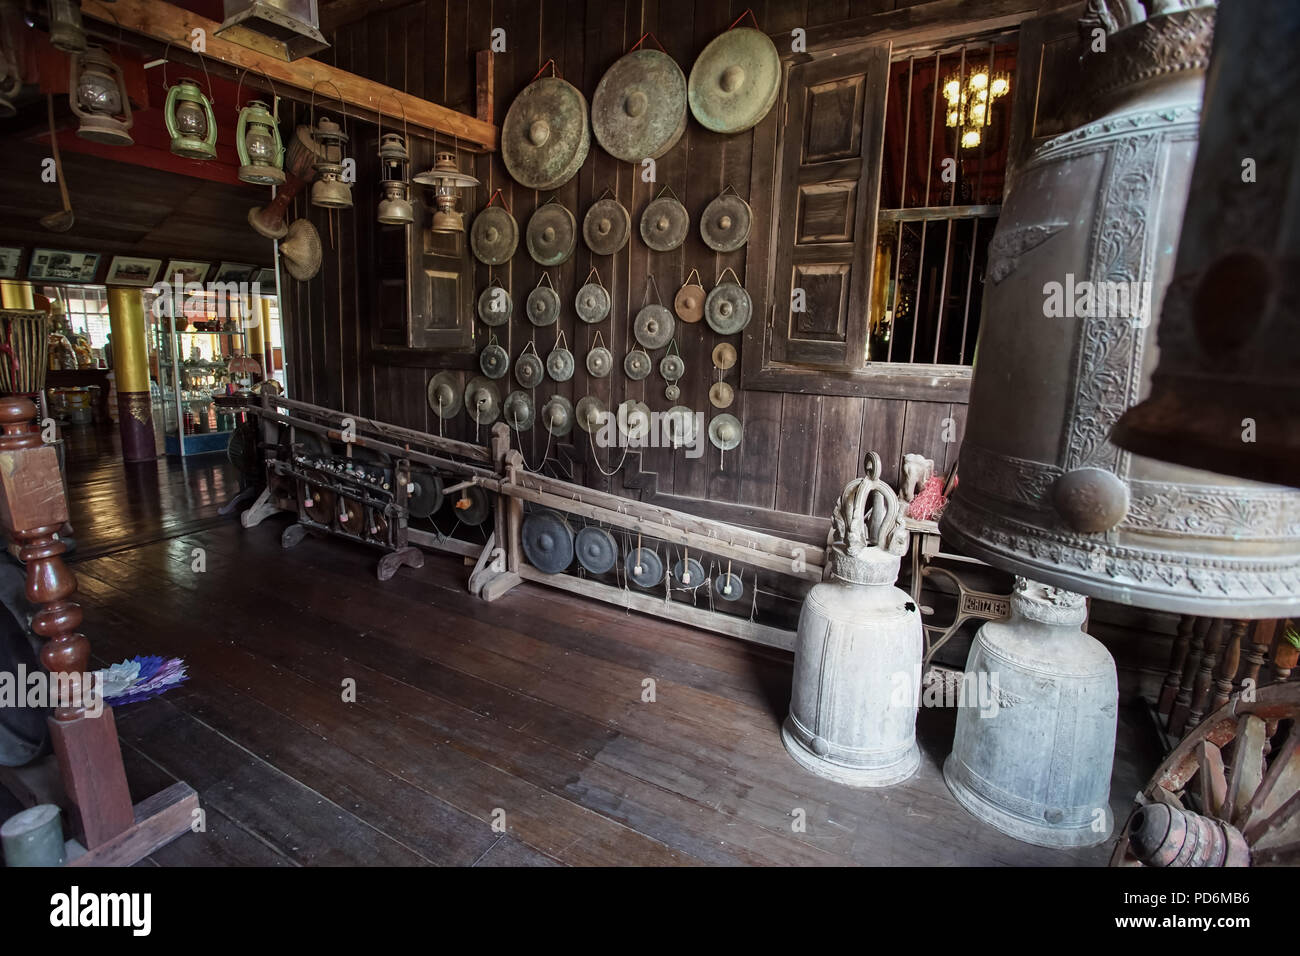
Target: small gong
[
  {"x": 724, "y": 356},
  {"x": 518, "y": 410},
  {"x": 606, "y": 227},
  {"x": 636, "y": 364},
  {"x": 552, "y": 234},
  {"x": 725, "y": 223},
  {"x": 725, "y": 431},
  {"x": 482, "y": 400},
  {"x": 671, "y": 367},
  {"x": 728, "y": 308},
  {"x": 425, "y": 496},
  {"x": 728, "y": 586},
  {"x": 444, "y": 395},
  {"x": 599, "y": 362},
  {"x": 644, "y": 567},
  {"x": 689, "y": 573},
  {"x": 495, "y": 305},
  {"x": 721, "y": 395},
  {"x": 547, "y": 541},
  {"x": 591, "y": 413},
  {"x": 653, "y": 326},
  {"x": 559, "y": 364},
  {"x": 529, "y": 370},
  {"x": 557, "y": 416},
  {"x": 494, "y": 236},
  {"x": 681, "y": 426},
  {"x": 689, "y": 302},
  {"x": 543, "y": 306},
  {"x": 664, "y": 224},
  {"x": 592, "y": 302},
  {"x": 597, "y": 550},
  {"x": 494, "y": 361},
  {"x": 472, "y": 505},
  {"x": 672, "y": 392},
  {"x": 634, "y": 421}
]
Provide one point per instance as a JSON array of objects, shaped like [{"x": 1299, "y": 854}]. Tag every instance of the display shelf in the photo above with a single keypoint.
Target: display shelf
[{"x": 189, "y": 386}]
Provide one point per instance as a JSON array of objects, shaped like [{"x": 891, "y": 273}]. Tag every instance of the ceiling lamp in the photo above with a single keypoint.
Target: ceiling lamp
[
  {"x": 257, "y": 140},
  {"x": 293, "y": 26},
  {"x": 395, "y": 206},
  {"x": 190, "y": 122},
  {"x": 447, "y": 181},
  {"x": 98, "y": 98},
  {"x": 329, "y": 190},
  {"x": 970, "y": 106},
  {"x": 66, "y": 32}
]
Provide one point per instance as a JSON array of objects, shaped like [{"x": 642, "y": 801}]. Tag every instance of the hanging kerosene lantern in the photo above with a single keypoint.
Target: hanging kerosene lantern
[
  {"x": 98, "y": 98},
  {"x": 257, "y": 141},
  {"x": 190, "y": 122},
  {"x": 447, "y": 182},
  {"x": 66, "y": 30},
  {"x": 329, "y": 190},
  {"x": 395, "y": 164}
]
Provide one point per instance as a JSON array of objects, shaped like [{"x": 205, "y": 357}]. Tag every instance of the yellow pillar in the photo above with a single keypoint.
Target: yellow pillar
[
  {"x": 16, "y": 294},
  {"x": 131, "y": 365}
]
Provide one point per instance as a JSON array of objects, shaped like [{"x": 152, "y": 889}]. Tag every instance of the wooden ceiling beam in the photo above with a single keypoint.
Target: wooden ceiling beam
[{"x": 167, "y": 23}]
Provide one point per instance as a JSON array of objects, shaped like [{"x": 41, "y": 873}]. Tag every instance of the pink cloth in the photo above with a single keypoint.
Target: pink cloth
[{"x": 928, "y": 502}]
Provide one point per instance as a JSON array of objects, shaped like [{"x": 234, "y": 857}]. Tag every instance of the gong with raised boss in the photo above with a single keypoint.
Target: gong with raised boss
[
  {"x": 545, "y": 136},
  {"x": 639, "y": 110}
]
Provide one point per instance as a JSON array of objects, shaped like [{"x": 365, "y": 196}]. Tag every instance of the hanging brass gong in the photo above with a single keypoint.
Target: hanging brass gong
[
  {"x": 681, "y": 426},
  {"x": 671, "y": 367},
  {"x": 425, "y": 496},
  {"x": 636, "y": 364},
  {"x": 444, "y": 395},
  {"x": 724, "y": 356},
  {"x": 545, "y": 136},
  {"x": 591, "y": 413},
  {"x": 472, "y": 505},
  {"x": 529, "y": 370},
  {"x": 482, "y": 400},
  {"x": 689, "y": 302},
  {"x": 494, "y": 361},
  {"x": 494, "y": 236},
  {"x": 495, "y": 305},
  {"x": 639, "y": 110},
  {"x": 518, "y": 411},
  {"x": 653, "y": 326},
  {"x": 559, "y": 364},
  {"x": 547, "y": 541},
  {"x": 735, "y": 81},
  {"x": 606, "y": 227},
  {"x": 725, "y": 224},
  {"x": 557, "y": 416},
  {"x": 721, "y": 395},
  {"x": 592, "y": 302},
  {"x": 634, "y": 421},
  {"x": 664, "y": 224},
  {"x": 596, "y": 549},
  {"x": 599, "y": 362},
  {"x": 725, "y": 431},
  {"x": 552, "y": 234},
  {"x": 543, "y": 305},
  {"x": 728, "y": 308},
  {"x": 644, "y": 567}
]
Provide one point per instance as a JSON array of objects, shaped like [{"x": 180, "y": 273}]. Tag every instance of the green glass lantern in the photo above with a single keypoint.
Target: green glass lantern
[
  {"x": 257, "y": 140},
  {"x": 190, "y": 122}
]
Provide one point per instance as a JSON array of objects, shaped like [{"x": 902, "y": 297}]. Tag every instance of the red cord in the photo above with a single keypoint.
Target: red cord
[{"x": 750, "y": 14}]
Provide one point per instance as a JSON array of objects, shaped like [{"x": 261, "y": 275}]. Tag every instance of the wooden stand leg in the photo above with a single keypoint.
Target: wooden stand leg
[
  {"x": 389, "y": 563},
  {"x": 90, "y": 762},
  {"x": 292, "y": 536},
  {"x": 259, "y": 510},
  {"x": 231, "y": 506}
]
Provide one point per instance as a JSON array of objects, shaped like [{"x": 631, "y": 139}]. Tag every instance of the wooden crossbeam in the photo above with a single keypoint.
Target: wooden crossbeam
[{"x": 167, "y": 23}]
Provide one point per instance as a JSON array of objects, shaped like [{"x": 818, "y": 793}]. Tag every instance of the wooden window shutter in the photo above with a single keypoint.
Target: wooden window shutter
[
  {"x": 827, "y": 193},
  {"x": 440, "y": 274}
]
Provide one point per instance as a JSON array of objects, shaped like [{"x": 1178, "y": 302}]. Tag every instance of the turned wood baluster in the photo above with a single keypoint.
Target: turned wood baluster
[
  {"x": 1256, "y": 651},
  {"x": 1177, "y": 660},
  {"x": 1205, "y": 674},
  {"x": 1227, "y": 672},
  {"x": 1183, "y": 701},
  {"x": 1284, "y": 653}
]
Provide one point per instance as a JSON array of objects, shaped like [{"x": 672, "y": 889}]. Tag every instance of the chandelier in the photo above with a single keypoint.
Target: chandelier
[{"x": 970, "y": 106}]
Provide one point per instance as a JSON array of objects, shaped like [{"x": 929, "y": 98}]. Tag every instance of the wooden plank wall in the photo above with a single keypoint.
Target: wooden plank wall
[{"x": 799, "y": 450}]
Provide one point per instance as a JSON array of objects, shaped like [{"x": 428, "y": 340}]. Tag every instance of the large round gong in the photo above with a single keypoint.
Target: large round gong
[
  {"x": 653, "y": 326},
  {"x": 529, "y": 370},
  {"x": 495, "y": 305},
  {"x": 606, "y": 227},
  {"x": 592, "y": 302},
  {"x": 425, "y": 496},
  {"x": 597, "y": 550},
  {"x": 543, "y": 305},
  {"x": 472, "y": 506},
  {"x": 545, "y": 136},
  {"x": 552, "y": 234},
  {"x": 639, "y": 110},
  {"x": 689, "y": 574},
  {"x": 644, "y": 567},
  {"x": 494, "y": 236},
  {"x": 729, "y": 586},
  {"x": 728, "y": 308},
  {"x": 548, "y": 541},
  {"x": 725, "y": 223},
  {"x": 482, "y": 400},
  {"x": 664, "y": 224},
  {"x": 518, "y": 410},
  {"x": 444, "y": 395},
  {"x": 735, "y": 80}
]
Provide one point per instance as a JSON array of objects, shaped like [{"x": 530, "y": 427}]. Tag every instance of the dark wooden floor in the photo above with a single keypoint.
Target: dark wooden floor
[{"x": 526, "y": 712}]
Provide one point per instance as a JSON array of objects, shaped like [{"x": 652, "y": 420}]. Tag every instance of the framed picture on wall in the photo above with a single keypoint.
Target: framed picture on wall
[
  {"x": 55, "y": 265},
  {"x": 128, "y": 270},
  {"x": 9, "y": 257},
  {"x": 235, "y": 272},
  {"x": 189, "y": 271}
]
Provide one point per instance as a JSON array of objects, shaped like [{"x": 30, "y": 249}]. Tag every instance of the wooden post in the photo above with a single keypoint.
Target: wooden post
[
  {"x": 1183, "y": 701},
  {"x": 1177, "y": 659},
  {"x": 1228, "y": 666},
  {"x": 485, "y": 60},
  {"x": 1205, "y": 674}
]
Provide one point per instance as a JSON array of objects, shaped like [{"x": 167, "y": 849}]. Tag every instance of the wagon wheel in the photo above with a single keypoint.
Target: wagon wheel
[{"x": 1228, "y": 794}]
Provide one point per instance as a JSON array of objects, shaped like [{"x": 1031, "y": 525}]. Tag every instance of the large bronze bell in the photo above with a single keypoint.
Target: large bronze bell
[
  {"x": 1225, "y": 395},
  {"x": 1066, "y": 345}
]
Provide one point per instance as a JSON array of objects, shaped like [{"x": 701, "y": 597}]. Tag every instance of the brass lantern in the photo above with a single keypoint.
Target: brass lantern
[
  {"x": 395, "y": 163},
  {"x": 257, "y": 140},
  {"x": 66, "y": 32},
  {"x": 98, "y": 98},
  {"x": 190, "y": 122},
  {"x": 329, "y": 190},
  {"x": 447, "y": 182}
]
